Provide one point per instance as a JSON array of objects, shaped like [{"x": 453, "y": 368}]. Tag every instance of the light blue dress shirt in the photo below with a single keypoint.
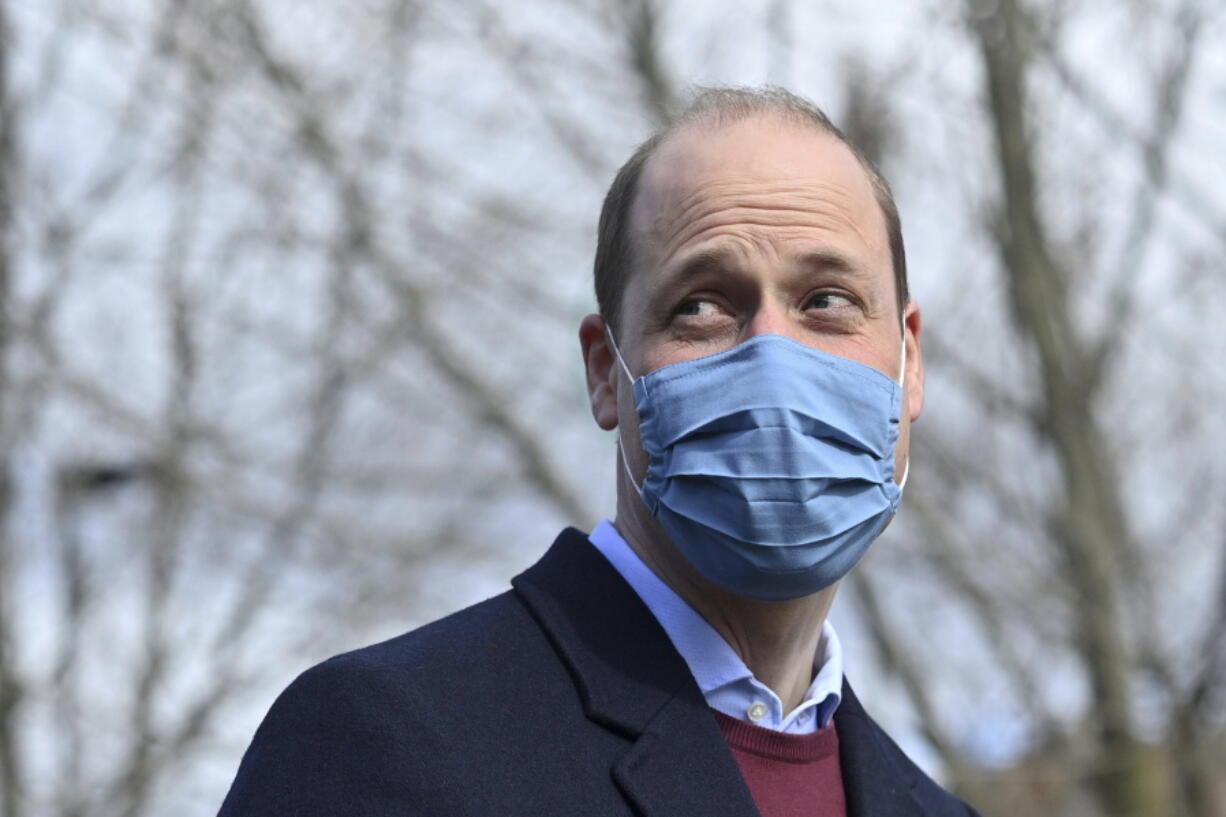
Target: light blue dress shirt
[{"x": 725, "y": 681}]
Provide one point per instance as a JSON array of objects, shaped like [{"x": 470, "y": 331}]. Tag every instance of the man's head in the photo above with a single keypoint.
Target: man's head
[
  {"x": 713, "y": 108},
  {"x": 750, "y": 216}
]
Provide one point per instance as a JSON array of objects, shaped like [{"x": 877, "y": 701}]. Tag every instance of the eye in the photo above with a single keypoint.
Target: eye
[
  {"x": 828, "y": 300},
  {"x": 698, "y": 307}
]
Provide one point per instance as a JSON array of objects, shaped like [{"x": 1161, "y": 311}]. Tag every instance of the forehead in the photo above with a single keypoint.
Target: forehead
[{"x": 763, "y": 177}]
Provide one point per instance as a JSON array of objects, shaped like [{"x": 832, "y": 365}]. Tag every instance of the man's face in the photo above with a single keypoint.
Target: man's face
[{"x": 760, "y": 227}]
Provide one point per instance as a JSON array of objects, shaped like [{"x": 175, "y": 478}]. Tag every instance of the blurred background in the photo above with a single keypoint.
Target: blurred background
[{"x": 289, "y": 295}]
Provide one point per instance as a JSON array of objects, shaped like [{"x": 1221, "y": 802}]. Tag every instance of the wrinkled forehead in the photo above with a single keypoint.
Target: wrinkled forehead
[{"x": 763, "y": 164}]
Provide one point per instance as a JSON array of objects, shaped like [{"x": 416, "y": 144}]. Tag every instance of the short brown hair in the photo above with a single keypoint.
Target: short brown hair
[{"x": 719, "y": 107}]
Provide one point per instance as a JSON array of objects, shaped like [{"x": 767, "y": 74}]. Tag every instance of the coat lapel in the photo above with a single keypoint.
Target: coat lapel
[
  {"x": 681, "y": 765},
  {"x": 632, "y": 680},
  {"x": 873, "y": 782}
]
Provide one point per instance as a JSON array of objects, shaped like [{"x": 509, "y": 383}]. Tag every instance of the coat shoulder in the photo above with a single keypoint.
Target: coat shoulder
[
  {"x": 387, "y": 719},
  {"x": 934, "y": 799},
  {"x": 457, "y": 641}
]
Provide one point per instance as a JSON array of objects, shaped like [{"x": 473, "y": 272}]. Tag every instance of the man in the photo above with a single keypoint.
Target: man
[{"x": 760, "y": 359}]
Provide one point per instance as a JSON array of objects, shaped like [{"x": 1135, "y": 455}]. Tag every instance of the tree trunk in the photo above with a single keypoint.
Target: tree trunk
[
  {"x": 10, "y": 691},
  {"x": 1091, "y": 529}
]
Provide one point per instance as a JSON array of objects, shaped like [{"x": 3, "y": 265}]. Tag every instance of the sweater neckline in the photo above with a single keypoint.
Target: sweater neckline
[{"x": 768, "y": 743}]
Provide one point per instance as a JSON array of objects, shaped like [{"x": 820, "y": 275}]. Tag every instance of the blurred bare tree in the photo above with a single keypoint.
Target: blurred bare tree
[
  {"x": 286, "y": 292},
  {"x": 256, "y": 365},
  {"x": 1071, "y": 507}
]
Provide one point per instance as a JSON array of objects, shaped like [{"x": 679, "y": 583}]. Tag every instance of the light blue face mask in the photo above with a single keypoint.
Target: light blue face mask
[{"x": 770, "y": 465}]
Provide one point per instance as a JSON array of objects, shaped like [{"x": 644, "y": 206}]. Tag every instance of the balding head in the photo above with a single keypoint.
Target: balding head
[{"x": 717, "y": 108}]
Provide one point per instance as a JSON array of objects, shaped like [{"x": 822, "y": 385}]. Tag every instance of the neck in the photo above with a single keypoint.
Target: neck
[{"x": 777, "y": 640}]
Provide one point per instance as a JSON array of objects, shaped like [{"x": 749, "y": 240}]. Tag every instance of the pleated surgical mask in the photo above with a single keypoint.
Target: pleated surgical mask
[{"x": 771, "y": 464}]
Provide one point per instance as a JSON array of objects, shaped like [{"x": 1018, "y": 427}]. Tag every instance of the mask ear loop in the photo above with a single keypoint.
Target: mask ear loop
[
  {"x": 621, "y": 445},
  {"x": 902, "y": 374}
]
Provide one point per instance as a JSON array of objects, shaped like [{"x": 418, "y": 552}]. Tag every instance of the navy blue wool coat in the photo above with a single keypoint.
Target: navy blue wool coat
[{"x": 562, "y": 696}]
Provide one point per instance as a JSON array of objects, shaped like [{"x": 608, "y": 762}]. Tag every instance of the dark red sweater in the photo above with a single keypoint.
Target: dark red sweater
[{"x": 788, "y": 775}]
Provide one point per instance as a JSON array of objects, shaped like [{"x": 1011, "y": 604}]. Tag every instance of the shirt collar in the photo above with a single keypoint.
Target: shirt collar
[{"x": 721, "y": 675}]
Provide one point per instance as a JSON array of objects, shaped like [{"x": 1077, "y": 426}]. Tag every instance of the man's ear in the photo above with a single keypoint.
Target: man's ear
[
  {"x": 602, "y": 371},
  {"x": 912, "y": 324}
]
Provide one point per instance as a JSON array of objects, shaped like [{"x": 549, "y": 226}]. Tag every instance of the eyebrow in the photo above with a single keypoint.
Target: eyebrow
[
  {"x": 709, "y": 260},
  {"x": 721, "y": 259},
  {"x": 831, "y": 260}
]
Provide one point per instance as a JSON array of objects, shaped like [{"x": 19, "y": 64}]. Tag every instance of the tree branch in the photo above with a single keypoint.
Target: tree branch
[
  {"x": 11, "y": 779},
  {"x": 900, "y": 663},
  {"x": 487, "y": 406},
  {"x": 639, "y": 22},
  {"x": 1094, "y": 532},
  {"x": 1169, "y": 94},
  {"x": 1197, "y": 204}
]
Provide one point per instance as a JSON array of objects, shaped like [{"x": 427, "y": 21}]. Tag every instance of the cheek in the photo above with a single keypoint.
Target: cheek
[{"x": 666, "y": 354}]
